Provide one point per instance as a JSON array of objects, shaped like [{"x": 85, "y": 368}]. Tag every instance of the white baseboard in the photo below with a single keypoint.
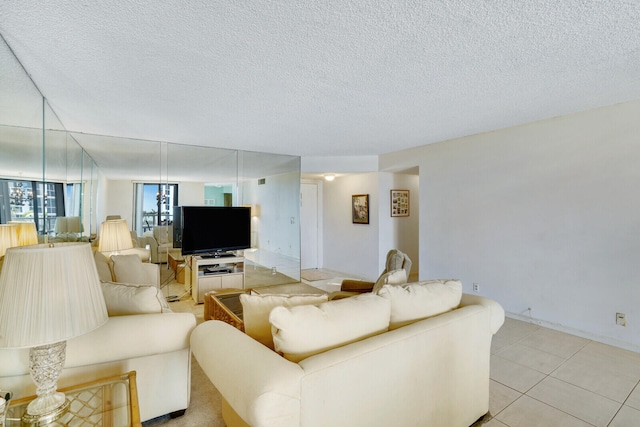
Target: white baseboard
[{"x": 576, "y": 332}]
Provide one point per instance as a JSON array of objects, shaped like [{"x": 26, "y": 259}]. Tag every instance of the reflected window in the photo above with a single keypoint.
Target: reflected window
[
  {"x": 154, "y": 205},
  {"x": 31, "y": 200}
]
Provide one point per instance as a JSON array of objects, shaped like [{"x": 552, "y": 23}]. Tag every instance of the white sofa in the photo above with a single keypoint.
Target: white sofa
[
  {"x": 433, "y": 372},
  {"x": 156, "y": 346},
  {"x": 154, "y": 342}
]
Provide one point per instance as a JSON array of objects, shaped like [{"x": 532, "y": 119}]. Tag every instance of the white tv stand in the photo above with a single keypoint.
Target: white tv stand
[{"x": 208, "y": 274}]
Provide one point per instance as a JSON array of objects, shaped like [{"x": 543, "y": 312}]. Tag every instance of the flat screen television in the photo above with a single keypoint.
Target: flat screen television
[{"x": 212, "y": 230}]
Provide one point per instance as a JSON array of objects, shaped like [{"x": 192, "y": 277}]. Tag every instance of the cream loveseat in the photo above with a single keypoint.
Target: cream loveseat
[
  {"x": 429, "y": 372},
  {"x": 154, "y": 342}
]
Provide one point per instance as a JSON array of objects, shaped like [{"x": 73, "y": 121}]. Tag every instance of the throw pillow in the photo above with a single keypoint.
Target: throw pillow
[
  {"x": 305, "y": 330},
  {"x": 125, "y": 299},
  {"x": 256, "y": 309},
  {"x": 415, "y": 301},
  {"x": 127, "y": 269},
  {"x": 103, "y": 267}
]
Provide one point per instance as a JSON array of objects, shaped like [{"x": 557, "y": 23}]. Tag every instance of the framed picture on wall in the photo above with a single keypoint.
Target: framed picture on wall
[
  {"x": 360, "y": 209},
  {"x": 399, "y": 202}
]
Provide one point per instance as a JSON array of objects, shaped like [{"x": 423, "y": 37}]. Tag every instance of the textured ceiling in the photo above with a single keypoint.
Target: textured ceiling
[{"x": 347, "y": 77}]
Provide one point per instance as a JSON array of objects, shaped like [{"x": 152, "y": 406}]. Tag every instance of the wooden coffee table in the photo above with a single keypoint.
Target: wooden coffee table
[{"x": 224, "y": 305}]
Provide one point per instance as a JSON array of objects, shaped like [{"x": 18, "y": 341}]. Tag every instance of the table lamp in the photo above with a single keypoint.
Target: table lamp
[
  {"x": 114, "y": 236},
  {"x": 8, "y": 237},
  {"x": 49, "y": 293},
  {"x": 27, "y": 233}
]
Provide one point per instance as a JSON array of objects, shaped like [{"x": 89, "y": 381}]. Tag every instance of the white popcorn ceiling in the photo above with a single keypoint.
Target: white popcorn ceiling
[{"x": 322, "y": 78}]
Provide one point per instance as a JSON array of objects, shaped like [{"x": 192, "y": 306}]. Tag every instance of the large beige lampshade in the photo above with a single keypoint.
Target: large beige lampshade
[
  {"x": 27, "y": 233},
  {"x": 8, "y": 237},
  {"x": 114, "y": 236},
  {"x": 49, "y": 293}
]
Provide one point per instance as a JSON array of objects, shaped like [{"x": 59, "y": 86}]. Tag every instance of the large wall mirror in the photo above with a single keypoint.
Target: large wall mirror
[{"x": 68, "y": 183}]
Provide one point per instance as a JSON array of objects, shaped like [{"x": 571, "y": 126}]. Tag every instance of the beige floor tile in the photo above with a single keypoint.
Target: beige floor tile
[
  {"x": 498, "y": 343},
  {"x": 494, "y": 423},
  {"x": 554, "y": 342},
  {"x": 513, "y": 375},
  {"x": 634, "y": 399},
  {"x": 500, "y": 396},
  {"x": 580, "y": 403},
  {"x": 627, "y": 417},
  {"x": 514, "y": 330},
  {"x": 528, "y": 412},
  {"x": 605, "y": 374},
  {"x": 531, "y": 357}
]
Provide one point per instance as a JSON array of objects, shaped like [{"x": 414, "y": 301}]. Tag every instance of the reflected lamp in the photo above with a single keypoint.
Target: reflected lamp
[
  {"x": 8, "y": 237},
  {"x": 114, "y": 236},
  {"x": 27, "y": 233}
]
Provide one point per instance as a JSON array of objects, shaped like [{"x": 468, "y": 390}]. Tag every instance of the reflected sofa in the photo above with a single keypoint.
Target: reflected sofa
[{"x": 160, "y": 240}]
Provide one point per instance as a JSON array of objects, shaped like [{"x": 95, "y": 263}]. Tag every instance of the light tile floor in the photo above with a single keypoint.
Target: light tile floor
[
  {"x": 545, "y": 378},
  {"x": 541, "y": 377}
]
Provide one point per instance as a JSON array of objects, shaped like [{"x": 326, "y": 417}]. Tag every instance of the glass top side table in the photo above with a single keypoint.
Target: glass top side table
[{"x": 108, "y": 402}]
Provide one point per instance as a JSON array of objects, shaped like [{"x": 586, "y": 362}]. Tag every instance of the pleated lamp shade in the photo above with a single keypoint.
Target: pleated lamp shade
[
  {"x": 8, "y": 237},
  {"x": 114, "y": 236},
  {"x": 49, "y": 293},
  {"x": 27, "y": 233}
]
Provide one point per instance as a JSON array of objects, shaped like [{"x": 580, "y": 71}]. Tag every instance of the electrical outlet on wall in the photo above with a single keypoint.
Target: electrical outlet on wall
[
  {"x": 621, "y": 319},
  {"x": 476, "y": 287}
]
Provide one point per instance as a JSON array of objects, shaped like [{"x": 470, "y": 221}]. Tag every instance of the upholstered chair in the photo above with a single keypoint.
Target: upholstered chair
[{"x": 397, "y": 270}]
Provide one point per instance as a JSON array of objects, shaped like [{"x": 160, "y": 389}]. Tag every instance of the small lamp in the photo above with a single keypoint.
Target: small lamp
[
  {"x": 49, "y": 293},
  {"x": 27, "y": 233},
  {"x": 114, "y": 236},
  {"x": 8, "y": 237}
]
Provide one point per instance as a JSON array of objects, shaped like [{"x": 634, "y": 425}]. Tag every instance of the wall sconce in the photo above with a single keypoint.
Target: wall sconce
[{"x": 329, "y": 177}]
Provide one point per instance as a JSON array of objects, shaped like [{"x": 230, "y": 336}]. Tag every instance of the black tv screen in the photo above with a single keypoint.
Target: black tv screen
[{"x": 212, "y": 229}]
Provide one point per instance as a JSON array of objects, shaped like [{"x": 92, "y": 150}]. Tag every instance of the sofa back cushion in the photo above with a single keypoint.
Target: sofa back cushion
[
  {"x": 128, "y": 269},
  {"x": 103, "y": 266},
  {"x": 419, "y": 300},
  {"x": 305, "y": 330},
  {"x": 256, "y": 309},
  {"x": 124, "y": 299}
]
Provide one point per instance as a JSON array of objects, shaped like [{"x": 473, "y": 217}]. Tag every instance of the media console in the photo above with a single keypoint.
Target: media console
[{"x": 208, "y": 274}]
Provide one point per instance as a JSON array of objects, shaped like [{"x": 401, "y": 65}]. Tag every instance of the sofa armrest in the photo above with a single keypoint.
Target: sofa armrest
[
  {"x": 145, "y": 240},
  {"x": 122, "y": 337},
  {"x": 262, "y": 387},
  {"x": 495, "y": 309},
  {"x": 126, "y": 337}
]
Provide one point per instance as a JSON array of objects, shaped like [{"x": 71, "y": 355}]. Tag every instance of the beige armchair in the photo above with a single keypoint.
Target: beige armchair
[
  {"x": 68, "y": 229},
  {"x": 160, "y": 240},
  {"x": 397, "y": 270}
]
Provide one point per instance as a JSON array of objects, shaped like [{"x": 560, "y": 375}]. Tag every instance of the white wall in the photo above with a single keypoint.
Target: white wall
[
  {"x": 543, "y": 216},
  {"x": 399, "y": 232},
  {"x": 359, "y": 249},
  {"x": 351, "y": 248},
  {"x": 276, "y": 228}
]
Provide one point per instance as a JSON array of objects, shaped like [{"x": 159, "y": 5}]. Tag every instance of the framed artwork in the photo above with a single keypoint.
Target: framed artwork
[
  {"x": 360, "y": 209},
  {"x": 399, "y": 202}
]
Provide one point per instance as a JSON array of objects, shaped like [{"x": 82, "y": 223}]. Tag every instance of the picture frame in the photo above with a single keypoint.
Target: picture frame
[
  {"x": 360, "y": 209},
  {"x": 399, "y": 203}
]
